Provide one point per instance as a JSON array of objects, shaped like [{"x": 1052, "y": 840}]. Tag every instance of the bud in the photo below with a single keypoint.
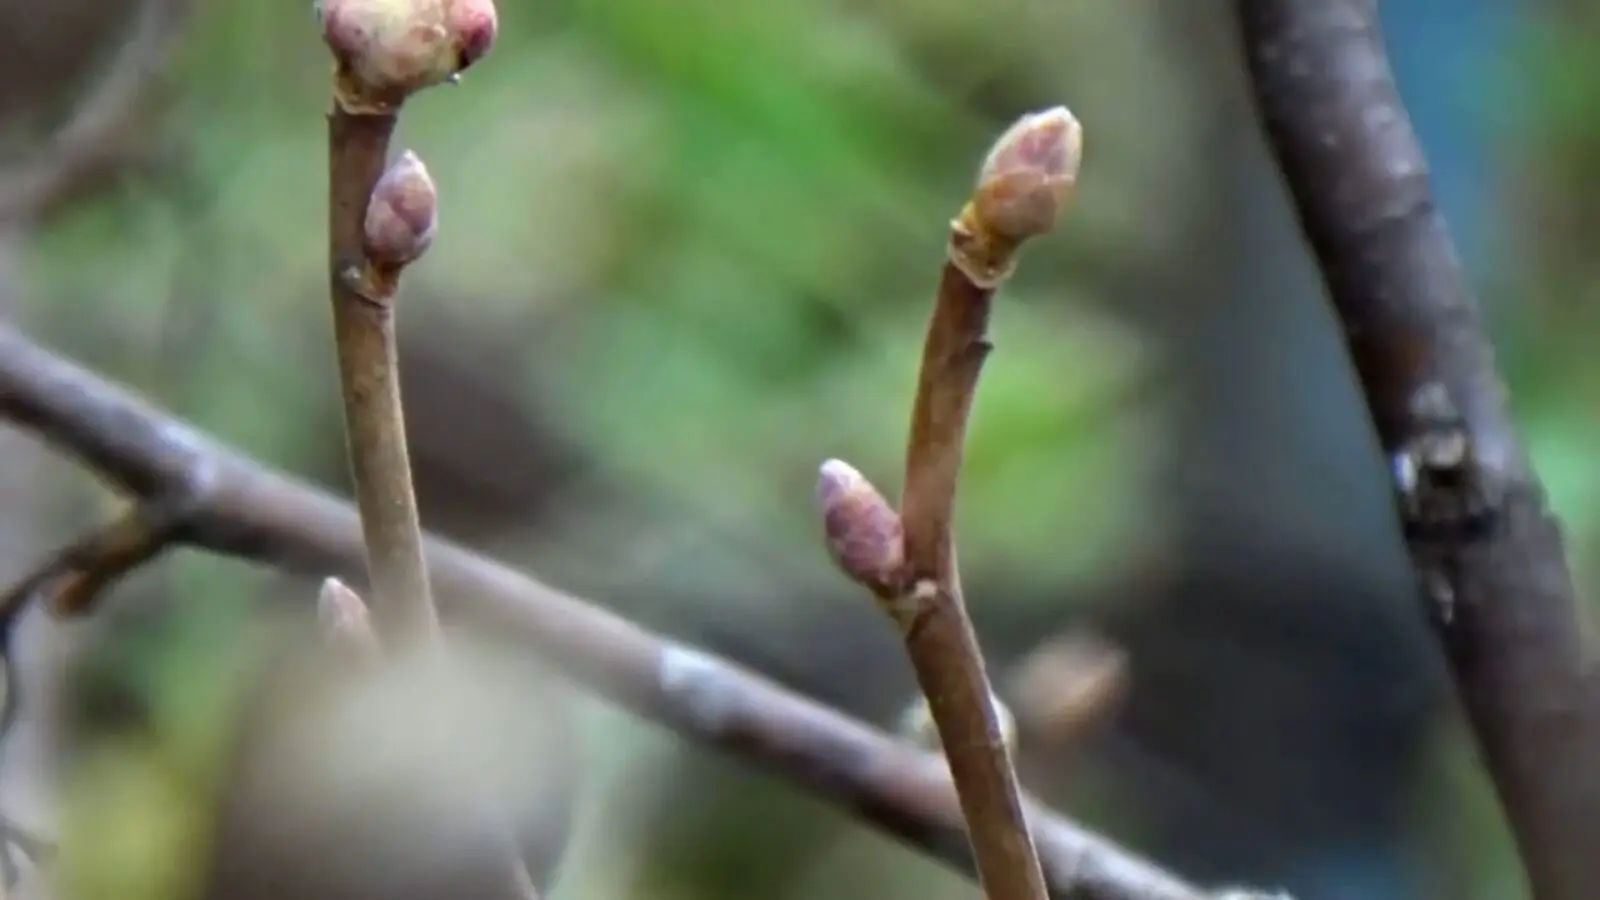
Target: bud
[
  {"x": 863, "y": 531},
  {"x": 1029, "y": 175},
  {"x": 344, "y": 619},
  {"x": 386, "y": 50},
  {"x": 1068, "y": 686},
  {"x": 402, "y": 215}
]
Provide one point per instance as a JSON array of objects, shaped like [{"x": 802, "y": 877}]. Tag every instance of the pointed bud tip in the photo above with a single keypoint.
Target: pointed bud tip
[
  {"x": 344, "y": 618},
  {"x": 1029, "y": 174},
  {"x": 337, "y": 603},
  {"x": 403, "y": 213},
  {"x": 835, "y": 476},
  {"x": 917, "y": 723}
]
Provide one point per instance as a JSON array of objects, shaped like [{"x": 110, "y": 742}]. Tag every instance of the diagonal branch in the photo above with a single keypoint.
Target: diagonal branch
[
  {"x": 249, "y": 511},
  {"x": 1487, "y": 551}
]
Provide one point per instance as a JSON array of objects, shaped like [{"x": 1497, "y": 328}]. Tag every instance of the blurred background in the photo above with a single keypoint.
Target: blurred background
[{"x": 687, "y": 249}]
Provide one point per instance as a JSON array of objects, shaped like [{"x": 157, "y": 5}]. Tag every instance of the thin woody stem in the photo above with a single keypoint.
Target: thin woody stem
[
  {"x": 908, "y": 560},
  {"x": 369, "y": 381},
  {"x": 938, "y": 633}
]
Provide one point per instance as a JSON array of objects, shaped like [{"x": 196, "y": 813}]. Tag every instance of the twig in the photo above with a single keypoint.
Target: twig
[
  {"x": 72, "y": 581},
  {"x": 1487, "y": 551},
  {"x": 908, "y": 561},
  {"x": 369, "y": 381},
  {"x": 252, "y": 512},
  {"x": 95, "y": 140},
  {"x": 381, "y": 218}
]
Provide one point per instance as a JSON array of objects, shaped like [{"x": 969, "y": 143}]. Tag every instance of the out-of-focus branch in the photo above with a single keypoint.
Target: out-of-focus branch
[
  {"x": 1487, "y": 551},
  {"x": 1067, "y": 689},
  {"x": 73, "y": 580},
  {"x": 246, "y": 510},
  {"x": 97, "y": 139}
]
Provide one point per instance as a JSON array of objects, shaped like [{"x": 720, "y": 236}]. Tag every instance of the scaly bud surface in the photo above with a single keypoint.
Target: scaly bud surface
[
  {"x": 402, "y": 215},
  {"x": 863, "y": 532},
  {"x": 1023, "y": 185}
]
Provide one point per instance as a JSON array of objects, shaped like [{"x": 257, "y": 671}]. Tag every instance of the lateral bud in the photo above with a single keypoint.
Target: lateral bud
[
  {"x": 386, "y": 50},
  {"x": 1023, "y": 185},
  {"x": 402, "y": 214},
  {"x": 862, "y": 531}
]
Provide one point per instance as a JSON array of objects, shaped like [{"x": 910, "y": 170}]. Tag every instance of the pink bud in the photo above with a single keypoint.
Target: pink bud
[
  {"x": 403, "y": 214},
  {"x": 1029, "y": 175},
  {"x": 387, "y": 50},
  {"x": 863, "y": 532}
]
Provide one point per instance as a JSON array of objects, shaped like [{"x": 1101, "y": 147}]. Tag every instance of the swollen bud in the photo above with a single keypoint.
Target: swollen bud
[
  {"x": 1029, "y": 174},
  {"x": 1024, "y": 183},
  {"x": 386, "y": 50},
  {"x": 863, "y": 532},
  {"x": 402, "y": 215},
  {"x": 1068, "y": 687}
]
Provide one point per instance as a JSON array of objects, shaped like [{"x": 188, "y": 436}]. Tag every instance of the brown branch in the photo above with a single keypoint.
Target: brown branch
[
  {"x": 96, "y": 140},
  {"x": 1487, "y": 551},
  {"x": 251, "y": 512},
  {"x": 381, "y": 218},
  {"x": 369, "y": 381},
  {"x": 74, "y": 579},
  {"x": 908, "y": 561}
]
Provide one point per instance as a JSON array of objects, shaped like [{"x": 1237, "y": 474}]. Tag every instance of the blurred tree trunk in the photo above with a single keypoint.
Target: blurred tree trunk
[{"x": 1282, "y": 673}]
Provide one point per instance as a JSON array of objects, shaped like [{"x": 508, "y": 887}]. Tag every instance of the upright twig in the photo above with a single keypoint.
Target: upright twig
[
  {"x": 908, "y": 560},
  {"x": 379, "y": 221},
  {"x": 250, "y": 511},
  {"x": 1487, "y": 551}
]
